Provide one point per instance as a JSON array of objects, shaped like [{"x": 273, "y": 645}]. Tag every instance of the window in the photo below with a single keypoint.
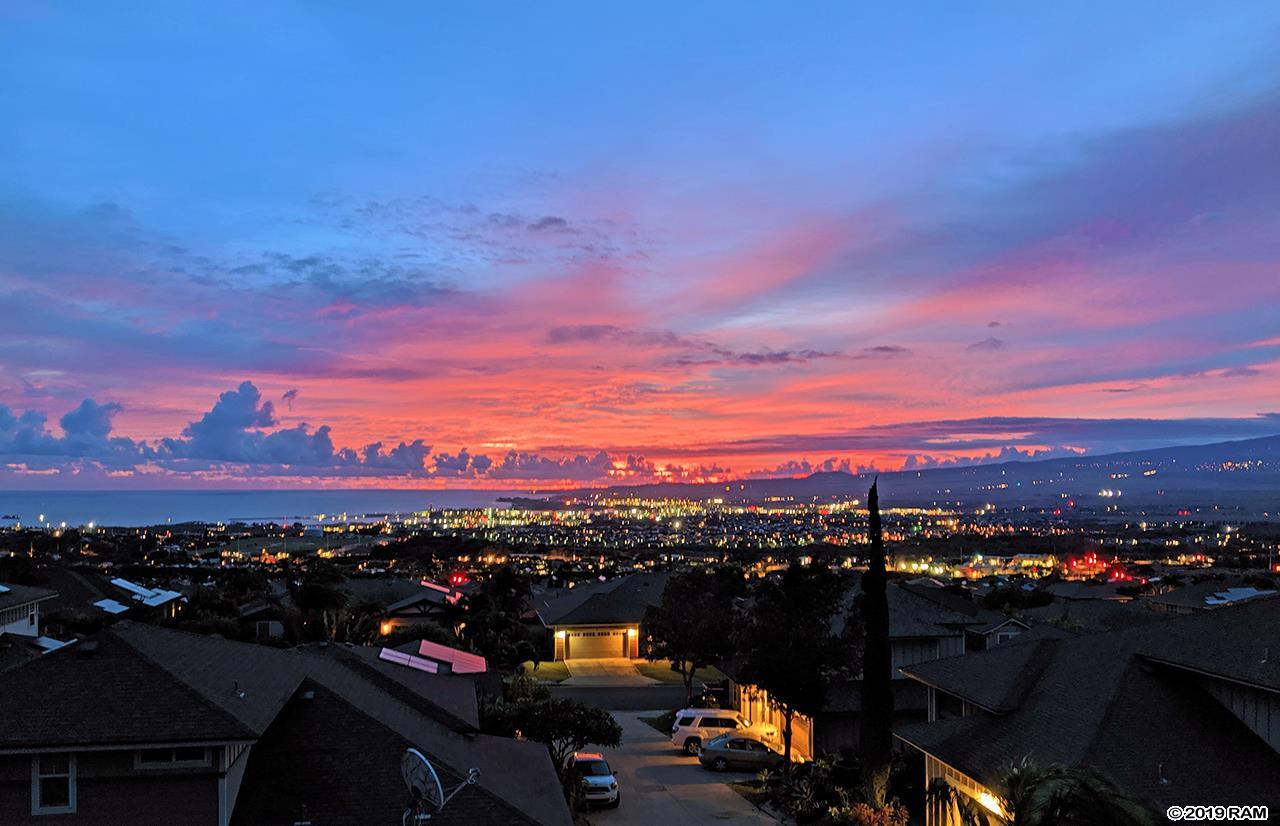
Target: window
[
  {"x": 685, "y": 721},
  {"x": 53, "y": 784},
  {"x": 171, "y": 757}
]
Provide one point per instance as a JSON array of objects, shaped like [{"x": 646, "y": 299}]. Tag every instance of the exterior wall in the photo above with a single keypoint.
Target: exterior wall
[
  {"x": 21, "y": 620},
  {"x": 109, "y": 789},
  {"x": 235, "y": 758},
  {"x": 753, "y": 703},
  {"x": 1259, "y": 710},
  {"x": 936, "y": 814},
  {"x": 912, "y": 650}
]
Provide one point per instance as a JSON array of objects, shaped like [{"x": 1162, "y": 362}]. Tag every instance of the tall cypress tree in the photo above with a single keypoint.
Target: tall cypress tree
[{"x": 877, "y": 691}]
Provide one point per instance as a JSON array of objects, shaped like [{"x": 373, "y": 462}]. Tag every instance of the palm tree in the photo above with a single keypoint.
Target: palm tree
[{"x": 1043, "y": 795}]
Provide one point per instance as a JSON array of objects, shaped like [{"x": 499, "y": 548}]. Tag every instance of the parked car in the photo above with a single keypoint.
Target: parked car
[
  {"x": 694, "y": 726},
  {"x": 738, "y": 751},
  {"x": 599, "y": 784}
]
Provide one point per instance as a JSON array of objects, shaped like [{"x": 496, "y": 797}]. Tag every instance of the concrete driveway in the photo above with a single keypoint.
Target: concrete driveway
[
  {"x": 615, "y": 672},
  {"x": 661, "y": 785}
]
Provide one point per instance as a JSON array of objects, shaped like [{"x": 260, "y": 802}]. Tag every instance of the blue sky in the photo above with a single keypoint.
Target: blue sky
[{"x": 637, "y": 232}]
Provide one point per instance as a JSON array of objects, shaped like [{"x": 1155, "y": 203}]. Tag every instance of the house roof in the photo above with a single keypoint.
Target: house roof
[
  {"x": 552, "y": 603},
  {"x": 1108, "y": 700},
  {"x": 910, "y": 615},
  {"x": 137, "y": 683},
  {"x": 621, "y": 605},
  {"x": 1212, "y": 594},
  {"x": 1093, "y": 615},
  {"x": 391, "y": 593},
  {"x": 141, "y": 702},
  {"x": 13, "y": 595},
  {"x": 459, "y": 661},
  {"x": 302, "y": 772},
  {"x": 1083, "y": 589},
  {"x": 984, "y": 619}
]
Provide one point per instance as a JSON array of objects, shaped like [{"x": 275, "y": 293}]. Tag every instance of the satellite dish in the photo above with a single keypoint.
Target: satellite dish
[
  {"x": 421, "y": 778},
  {"x": 426, "y": 795}
]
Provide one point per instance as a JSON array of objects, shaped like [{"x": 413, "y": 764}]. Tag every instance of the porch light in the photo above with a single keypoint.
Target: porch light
[
  {"x": 559, "y": 635},
  {"x": 991, "y": 802}
]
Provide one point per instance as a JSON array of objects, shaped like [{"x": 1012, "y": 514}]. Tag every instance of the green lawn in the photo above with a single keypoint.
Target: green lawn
[
  {"x": 662, "y": 722},
  {"x": 547, "y": 671},
  {"x": 663, "y": 672}
]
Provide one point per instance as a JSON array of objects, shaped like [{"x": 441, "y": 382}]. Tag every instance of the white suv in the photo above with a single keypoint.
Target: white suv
[{"x": 693, "y": 726}]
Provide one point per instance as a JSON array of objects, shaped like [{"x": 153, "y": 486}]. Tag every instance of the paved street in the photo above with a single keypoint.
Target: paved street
[
  {"x": 623, "y": 697},
  {"x": 661, "y": 786},
  {"x": 616, "y": 672}
]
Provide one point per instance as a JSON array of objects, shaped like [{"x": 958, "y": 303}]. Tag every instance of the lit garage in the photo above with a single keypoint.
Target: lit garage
[
  {"x": 599, "y": 620},
  {"x": 596, "y": 644}
]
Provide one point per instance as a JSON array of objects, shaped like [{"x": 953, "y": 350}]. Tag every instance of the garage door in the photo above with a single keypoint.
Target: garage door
[{"x": 594, "y": 645}]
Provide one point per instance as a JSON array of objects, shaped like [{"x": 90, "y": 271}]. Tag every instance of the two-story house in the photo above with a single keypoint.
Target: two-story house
[
  {"x": 920, "y": 630},
  {"x": 143, "y": 725},
  {"x": 1185, "y": 711}
]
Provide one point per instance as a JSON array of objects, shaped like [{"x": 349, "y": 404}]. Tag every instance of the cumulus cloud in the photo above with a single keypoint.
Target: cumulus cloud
[
  {"x": 461, "y": 465},
  {"x": 804, "y": 467},
  {"x": 86, "y": 435},
  {"x": 986, "y": 345},
  {"x": 289, "y": 397},
  {"x": 1008, "y": 453}
]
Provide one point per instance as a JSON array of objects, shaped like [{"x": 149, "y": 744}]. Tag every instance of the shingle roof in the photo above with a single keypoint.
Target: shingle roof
[
  {"x": 303, "y": 771},
  {"x": 139, "y": 683},
  {"x": 12, "y": 594},
  {"x": 623, "y": 604},
  {"x": 553, "y": 603},
  {"x": 1098, "y": 700},
  {"x": 1203, "y": 595},
  {"x": 60, "y": 699},
  {"x": 1094, "y": 615}
]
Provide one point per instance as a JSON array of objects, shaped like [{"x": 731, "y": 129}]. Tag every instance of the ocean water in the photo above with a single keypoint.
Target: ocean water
[{"x": 135, "y": 508}]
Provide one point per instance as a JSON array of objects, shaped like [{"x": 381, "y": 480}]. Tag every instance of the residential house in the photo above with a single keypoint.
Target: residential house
[
  {"x": 1205, "y": 596},
  {"x": 920, "y": 630},
  {"x": 21, "y": 638},
  {"x": 20, "y": 609},
  {"x": 1183, "y": 710},
  {"x": 406, "y": 602},
  {"x": 603, "y": 619},
  {"x": 990, "y": 628},
  {"x": 127, "y": 596},
  {"x": 143, "y": 725}
]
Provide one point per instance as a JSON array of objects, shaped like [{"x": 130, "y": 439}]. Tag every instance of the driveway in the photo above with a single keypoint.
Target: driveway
[
  {"x": 616, "y": 672},
  {"x": 661, "y": 785}
]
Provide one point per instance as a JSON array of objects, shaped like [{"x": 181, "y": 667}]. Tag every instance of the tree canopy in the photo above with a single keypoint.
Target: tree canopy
[
  {"x": 787, "y": 643},
  {"x": 693, "y": 625}
]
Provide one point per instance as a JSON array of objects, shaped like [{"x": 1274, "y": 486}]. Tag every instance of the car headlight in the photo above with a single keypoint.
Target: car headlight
[{"x": 613, "y": 786}]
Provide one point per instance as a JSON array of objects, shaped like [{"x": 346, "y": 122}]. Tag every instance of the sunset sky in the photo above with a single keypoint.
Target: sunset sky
[{"x": 533, "y": 245}]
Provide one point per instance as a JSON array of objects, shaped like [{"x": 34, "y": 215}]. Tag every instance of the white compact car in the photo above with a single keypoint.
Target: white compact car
[
  {"x": 599, "y": 784},
  {"x": 695, "y": 726}
]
